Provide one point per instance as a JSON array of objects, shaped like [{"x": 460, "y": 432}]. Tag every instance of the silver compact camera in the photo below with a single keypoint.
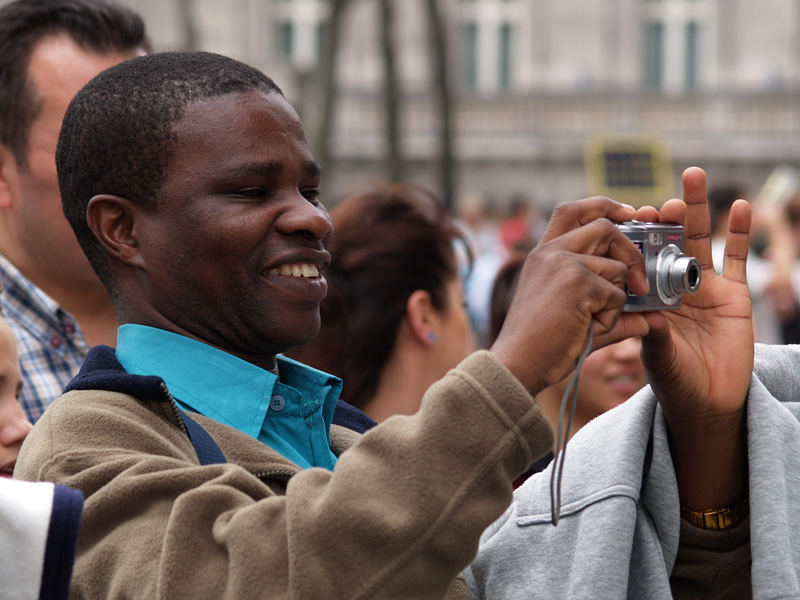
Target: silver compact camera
[{"x": 670, "y": 272}]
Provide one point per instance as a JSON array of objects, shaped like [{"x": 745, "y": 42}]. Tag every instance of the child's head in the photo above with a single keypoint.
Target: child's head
[{"x": 13, "y": 424}]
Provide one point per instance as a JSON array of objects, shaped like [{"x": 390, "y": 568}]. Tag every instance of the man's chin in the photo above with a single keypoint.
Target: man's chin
[
  {"x": 300, "y": 335},
  {"x": 301, "y": 341}
]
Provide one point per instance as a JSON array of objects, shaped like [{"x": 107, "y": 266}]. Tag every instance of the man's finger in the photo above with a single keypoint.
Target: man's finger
[
  {"x": 613, "y": 271},
  {"x": 602, "y": 238},
  {"x": 628, "y": 325},
  {"x": 572, "y": 215},
  {"x": 698, "y": 219},
  {"x": 737, "y": 244},
  {"x": 647, "y": 213},
  {"x": 673, "y": 211},
  {"x": 605, "y": 305}
]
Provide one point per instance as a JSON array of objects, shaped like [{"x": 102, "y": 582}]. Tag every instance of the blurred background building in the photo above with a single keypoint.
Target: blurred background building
[{"x": 548, "y": 100}]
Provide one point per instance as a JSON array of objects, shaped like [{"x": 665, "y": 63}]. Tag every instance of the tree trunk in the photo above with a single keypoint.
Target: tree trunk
[
  {"x": 186, "y": 12},
  {"x": 438, "y": 38},
  {"x": 322, "y": 150},
  {"x": 393, "y": 165}
]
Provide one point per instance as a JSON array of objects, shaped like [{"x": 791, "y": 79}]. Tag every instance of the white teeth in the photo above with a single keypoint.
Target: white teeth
[{"x": 295, "y": 270}]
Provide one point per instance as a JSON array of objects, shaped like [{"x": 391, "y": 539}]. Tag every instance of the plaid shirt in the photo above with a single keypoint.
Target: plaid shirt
[{"x": 50, "y": 342}]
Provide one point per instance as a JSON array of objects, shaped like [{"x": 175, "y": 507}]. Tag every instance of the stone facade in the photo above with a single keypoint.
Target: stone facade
[{"x": 717, "y": 81}]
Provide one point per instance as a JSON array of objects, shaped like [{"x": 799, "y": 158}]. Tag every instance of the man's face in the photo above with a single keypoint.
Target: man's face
[
  {"x": 35, "y": 232},
  {"x": 234, "y": 247}
]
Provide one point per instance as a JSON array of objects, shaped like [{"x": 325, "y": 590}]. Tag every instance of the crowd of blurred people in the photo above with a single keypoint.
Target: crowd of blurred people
[{"x": 499, "y": 233}]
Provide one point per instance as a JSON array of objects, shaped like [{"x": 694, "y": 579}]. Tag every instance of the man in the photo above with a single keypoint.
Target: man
[
  {"x": 621, "y": 533},
  {"x": 190, "y": 185},
  {"x": 53, "y": 300}
]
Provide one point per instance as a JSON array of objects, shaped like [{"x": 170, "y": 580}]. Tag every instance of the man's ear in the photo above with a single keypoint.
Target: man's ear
[
  {"x": 9, "y": 177},
  {"x": 423, "y": 320},
  {"x": 111, "y": 219}
]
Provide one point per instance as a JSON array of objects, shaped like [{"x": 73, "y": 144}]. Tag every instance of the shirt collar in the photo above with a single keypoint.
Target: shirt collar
[
  {"x": 215, "y": 383},
  {"x": 22, "y": 289}
]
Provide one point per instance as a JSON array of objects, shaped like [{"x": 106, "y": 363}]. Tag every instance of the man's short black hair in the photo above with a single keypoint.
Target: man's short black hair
[
  {"x": 118, "y": 132},
  {"x": 95, "y": 25}
]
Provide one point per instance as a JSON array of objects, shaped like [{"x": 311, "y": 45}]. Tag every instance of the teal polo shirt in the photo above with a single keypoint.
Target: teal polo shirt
[{"x": 291, "y": 414}]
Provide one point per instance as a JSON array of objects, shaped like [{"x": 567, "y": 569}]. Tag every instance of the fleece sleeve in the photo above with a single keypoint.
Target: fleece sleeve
[{"x": 400, "y": 516}]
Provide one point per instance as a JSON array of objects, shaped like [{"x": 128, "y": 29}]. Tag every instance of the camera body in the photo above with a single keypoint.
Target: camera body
[{"x": 670, "y": 272}]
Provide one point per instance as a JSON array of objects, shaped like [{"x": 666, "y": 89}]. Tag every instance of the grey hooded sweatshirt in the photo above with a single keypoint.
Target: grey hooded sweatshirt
[{"x": 620, "y": 526}]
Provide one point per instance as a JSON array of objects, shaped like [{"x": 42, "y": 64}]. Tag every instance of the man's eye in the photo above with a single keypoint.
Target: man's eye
[
  {"x": 311, "y": 195},
  {"x": 254, "y": 192}
]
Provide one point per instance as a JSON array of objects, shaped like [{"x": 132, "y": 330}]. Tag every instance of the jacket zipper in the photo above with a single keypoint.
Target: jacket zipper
[
  {"x": 176, "y": 411},
  {"x": 263, "y": 475}
]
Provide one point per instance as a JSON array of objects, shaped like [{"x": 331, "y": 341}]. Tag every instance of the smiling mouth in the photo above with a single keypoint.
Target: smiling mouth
[
  {"x": 625, "y": 383},
  {"x": 625, "y": 379},
  {"x": 306, "y": 270}
]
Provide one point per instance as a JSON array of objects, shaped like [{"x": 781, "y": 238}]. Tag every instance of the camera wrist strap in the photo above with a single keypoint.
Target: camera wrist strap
[{"x": 560, "y": 453}]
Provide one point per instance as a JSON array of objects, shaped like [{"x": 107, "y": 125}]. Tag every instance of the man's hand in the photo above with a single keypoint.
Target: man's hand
[
  {"x": 699, "y": 358},
  {"x": 574, "y": 278}
]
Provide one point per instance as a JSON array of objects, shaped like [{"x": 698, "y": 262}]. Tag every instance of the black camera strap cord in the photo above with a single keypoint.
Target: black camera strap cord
[{"x": 560, "y": 453}]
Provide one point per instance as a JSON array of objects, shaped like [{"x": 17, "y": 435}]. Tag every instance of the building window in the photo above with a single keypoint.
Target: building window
[
  {"x": 321, "y": 37},
  {"x": 505, "y": 54},
  {"x": 284, "y": 39},
  {"x": 470, "y": 54},
  {"x": 297, "y": 30},
  {"x": 489, "y": 32},
  {"x": 673, "y": 43},
  {"x": 691, "y": 55},
  {"x": 654, "y": 55}
]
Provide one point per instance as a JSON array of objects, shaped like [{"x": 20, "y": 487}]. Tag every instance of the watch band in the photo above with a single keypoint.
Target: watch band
[{"x": 717, "y": 519}]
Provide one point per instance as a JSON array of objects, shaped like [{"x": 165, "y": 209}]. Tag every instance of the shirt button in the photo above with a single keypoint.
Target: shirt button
[
  {"x": 56, "y": 341},
  {"x": 277, "y": 403},
  {"x": 69, "y": 327}
]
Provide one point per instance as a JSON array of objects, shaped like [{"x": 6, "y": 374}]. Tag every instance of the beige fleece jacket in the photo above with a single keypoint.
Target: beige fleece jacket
[{"x": 399, "y": 517}]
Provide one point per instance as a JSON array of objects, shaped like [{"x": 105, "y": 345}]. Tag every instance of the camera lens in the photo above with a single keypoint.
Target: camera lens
[
  {"x": 693, "y": 276},
  {"x": 676, "y": 274},
  {"x": 685, "y": 274}
]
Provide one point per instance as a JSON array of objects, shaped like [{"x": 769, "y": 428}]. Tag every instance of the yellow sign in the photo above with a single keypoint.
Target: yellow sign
[{"x": 635, "y": 169}]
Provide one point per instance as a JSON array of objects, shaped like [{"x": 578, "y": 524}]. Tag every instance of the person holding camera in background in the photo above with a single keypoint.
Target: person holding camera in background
[
  {"x": 208, "y": 461},
  {"x": 628, "y": 528}
]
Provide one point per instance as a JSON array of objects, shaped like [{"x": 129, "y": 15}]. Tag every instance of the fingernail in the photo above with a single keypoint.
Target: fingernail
[{"x": 627, "y": 206}]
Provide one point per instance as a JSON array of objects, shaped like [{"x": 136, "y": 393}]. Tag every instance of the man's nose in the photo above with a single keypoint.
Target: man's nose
[{"x": 304, "y": 216}]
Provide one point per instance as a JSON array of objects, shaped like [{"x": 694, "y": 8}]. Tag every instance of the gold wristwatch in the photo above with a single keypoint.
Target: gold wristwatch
[{"x": 717, "y": 519}]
